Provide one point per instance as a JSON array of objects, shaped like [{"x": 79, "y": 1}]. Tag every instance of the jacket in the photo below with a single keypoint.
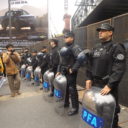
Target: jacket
[
  {"x": 1, "y": 66},
  {"x": 11, "y": 62}
]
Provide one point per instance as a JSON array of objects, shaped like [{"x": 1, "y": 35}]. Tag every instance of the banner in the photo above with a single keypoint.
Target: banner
[
  {"x": 12, "y": 2},
  {"x": 29, "y": 20}
]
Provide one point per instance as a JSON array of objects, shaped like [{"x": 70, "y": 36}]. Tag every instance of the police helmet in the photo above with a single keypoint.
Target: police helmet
[{"x": 105, "y": 26}]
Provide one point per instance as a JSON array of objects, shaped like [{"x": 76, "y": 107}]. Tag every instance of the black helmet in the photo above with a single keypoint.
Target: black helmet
[{"x": 105, "y": 26}]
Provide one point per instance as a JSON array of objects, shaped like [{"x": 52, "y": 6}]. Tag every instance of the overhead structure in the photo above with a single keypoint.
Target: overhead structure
[
  {"x": 91, "y": 11},
  {"x": 66, "y": 18}
]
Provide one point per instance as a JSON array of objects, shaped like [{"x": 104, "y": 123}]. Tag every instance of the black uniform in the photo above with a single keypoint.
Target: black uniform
[
  {"x": 24, "y": 58},
  {"x": 34, "y": 62},
  {"x": 44, "y": 63},
  {"x": 68, "y": 60},
  {"x": 54, "y": 61},
  {"x": 107, "y": 66}
]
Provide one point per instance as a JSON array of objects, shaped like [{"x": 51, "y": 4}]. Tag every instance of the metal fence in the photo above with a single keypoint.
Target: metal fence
[
  {"x": 120, "y": 24},
  {"x": 81, "y": 36}
]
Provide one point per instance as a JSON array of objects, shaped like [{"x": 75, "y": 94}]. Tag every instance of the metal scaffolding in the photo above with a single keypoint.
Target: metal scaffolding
[{"x": 85, "y": 7}]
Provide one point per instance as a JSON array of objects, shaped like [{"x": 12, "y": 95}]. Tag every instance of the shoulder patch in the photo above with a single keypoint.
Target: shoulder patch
[{"x": 120, "y": 57}]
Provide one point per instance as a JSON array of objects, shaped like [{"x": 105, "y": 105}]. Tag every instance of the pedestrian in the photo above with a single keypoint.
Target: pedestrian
[
  {"x": 11, "y": 60},
  {"x": 54, "y": 60},
  {"x": 2, "y": 67},
  {"x": 68, "y": 67},
  {"x": 2, "y": 70},
  {"x": 107, "y": 66}
]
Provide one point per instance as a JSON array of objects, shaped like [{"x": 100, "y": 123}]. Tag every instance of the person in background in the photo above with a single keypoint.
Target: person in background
[
  {"x": 44, "y": 62},
  {"x": 34, "y": 61},
  {"x": 2, "y": 66},
  {"x": 11, "y": 60},
  {"x": 2, "y": 70},
  {"x": 54, "y": 60},
  {"x": 26, "y": 54}
]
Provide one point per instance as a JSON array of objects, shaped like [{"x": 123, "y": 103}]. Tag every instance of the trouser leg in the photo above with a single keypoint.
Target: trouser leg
[
  {"x": 74, "y": 97},
  {"x": 72, "y": 90},
  {"x": 117, "y": 109},
  {"x": 11, "y": 83},
  {"x": 17, "y": 83}
]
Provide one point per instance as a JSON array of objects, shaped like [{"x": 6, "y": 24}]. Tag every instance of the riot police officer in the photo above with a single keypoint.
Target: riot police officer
[
  {"x": 44, "y": 60},
  {"x": 34, "y": 61},
  {"x": 25, "y": 56},
  {"x": 68, "y": 67},
  {"x": 107, "y": 66},
  {"x": 54, "y": 60}
]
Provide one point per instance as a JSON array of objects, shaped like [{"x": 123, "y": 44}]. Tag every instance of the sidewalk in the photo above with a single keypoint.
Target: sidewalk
[{"x": 123, "y": 116}]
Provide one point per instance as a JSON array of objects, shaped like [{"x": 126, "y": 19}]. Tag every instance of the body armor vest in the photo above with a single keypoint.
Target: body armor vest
[
  {"x": 67, "y": 57},
  {"x": 102, "y": 61}
]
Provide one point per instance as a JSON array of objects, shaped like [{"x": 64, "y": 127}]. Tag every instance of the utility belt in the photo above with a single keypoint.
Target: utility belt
[
  {"x": 65, "y": 69},
  {"x": 101, "y": 81}
]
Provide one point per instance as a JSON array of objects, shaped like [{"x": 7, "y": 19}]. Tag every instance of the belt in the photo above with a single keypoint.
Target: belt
[{"x": 98, "y": 81}]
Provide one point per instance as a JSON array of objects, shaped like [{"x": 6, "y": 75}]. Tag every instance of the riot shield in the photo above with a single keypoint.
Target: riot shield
[
  {"x": 23, "y": 70},
  {"x": 3, "y": 81},
  {"x": 48, "y": 78},
  {"x": 37, "y": 76},
  {"x": 97, "y": 110},
  {"x": 60, "y": 84},
  {"x": 28, "y": 73}
]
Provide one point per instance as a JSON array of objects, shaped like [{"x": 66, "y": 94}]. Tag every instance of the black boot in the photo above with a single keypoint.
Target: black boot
[
  {"x": 51, "y": 94},
  {"x": 73, "y": 111}
]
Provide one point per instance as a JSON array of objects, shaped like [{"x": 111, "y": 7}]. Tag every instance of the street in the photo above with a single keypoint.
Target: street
[{"x": 30, "y": 110}]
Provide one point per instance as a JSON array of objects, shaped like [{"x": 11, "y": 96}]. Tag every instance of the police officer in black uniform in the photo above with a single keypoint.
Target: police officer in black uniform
[
  {"x": 25, "y": 56},
  {"x": 68, "y": 66},
  {"x": 34, "y": 61},
  {"x": 107, "y": 66},
  {"x": 44, "y": 61},
  {"x": 54, "y": 60}
]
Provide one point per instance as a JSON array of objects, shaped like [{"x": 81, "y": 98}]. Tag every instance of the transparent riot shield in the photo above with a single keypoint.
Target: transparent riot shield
[
  {"x": 28, "y": 73},
  {"x": 3, "y": 81},
  {"x": 60, "y": 84},
  {"x": 48, "y": 78},
  {"x": 37, "y": 76},
  {"x": 97, "y": 110},
  {"x": 23, "y": 70}
]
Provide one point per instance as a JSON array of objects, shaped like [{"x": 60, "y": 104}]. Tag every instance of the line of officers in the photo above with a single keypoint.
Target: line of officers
[{"x": 105, "y": 65}]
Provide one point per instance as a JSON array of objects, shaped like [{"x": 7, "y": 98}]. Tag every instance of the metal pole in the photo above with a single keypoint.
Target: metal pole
[
  {"x": 49, "y": 14},
  {"x": 10, "y": 24}
]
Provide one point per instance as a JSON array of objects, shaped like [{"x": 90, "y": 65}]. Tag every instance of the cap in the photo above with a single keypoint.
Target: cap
[
  {"x": 69, "y": 34},
  {"x": 105, "y": 26}
]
